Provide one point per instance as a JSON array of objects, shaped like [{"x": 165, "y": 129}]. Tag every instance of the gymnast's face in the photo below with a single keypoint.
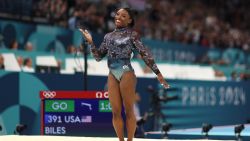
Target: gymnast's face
[{"x": 122, "y": 18}]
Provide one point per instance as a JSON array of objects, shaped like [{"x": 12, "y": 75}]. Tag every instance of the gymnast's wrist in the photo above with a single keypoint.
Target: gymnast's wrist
[{"x": 157, "y": 72}]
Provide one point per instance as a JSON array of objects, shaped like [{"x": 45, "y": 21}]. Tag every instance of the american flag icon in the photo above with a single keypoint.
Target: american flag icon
[{"x": 87, "y": 119}]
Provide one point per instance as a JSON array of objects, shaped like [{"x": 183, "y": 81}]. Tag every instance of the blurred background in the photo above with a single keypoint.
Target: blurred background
[{"x": 202, "y": 47}]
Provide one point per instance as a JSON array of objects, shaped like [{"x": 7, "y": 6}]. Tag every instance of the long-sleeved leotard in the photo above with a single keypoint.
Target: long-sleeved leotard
[{"x": 118, "y": 46}]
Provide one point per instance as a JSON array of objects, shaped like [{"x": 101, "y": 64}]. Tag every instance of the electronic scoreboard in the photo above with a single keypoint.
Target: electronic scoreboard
[{"x": 76, "y": 113}]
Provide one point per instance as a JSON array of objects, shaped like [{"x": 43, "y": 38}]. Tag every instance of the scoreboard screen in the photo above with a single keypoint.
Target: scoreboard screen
[{"x": 76, "y": 113}]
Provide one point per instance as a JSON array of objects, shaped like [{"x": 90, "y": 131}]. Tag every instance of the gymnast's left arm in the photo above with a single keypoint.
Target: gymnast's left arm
[{"x": 148, "y": 58}]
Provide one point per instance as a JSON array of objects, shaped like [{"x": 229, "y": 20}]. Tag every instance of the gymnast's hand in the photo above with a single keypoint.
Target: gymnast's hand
[
  {"x": 87, "y": 35},
  {"x": 162, "y": 81}
]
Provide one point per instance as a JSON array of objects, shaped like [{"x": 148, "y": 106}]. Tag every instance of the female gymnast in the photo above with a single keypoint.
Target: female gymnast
[{"x": 118, "y": 46}]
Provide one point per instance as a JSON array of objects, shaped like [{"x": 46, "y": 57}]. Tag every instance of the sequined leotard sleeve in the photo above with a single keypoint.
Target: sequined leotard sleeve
[
  {"x": 146, "y": 55},
  {"x": 100, "y": 52}
]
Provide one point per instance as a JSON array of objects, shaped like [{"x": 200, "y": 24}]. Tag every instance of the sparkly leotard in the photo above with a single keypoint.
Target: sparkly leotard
[{"x": 118, "y": 46}]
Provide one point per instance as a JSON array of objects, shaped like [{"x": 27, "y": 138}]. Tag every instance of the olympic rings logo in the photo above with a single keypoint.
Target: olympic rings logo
[{"x": 49, "y": 94}]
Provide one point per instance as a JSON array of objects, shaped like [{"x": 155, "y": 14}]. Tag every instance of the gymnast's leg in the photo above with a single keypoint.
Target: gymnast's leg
[
  {"x": 116, "y": 104},
  {"x": 127, "y": 88}
]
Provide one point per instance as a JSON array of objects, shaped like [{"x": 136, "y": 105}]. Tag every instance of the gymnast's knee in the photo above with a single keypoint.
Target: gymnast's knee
[
  {"x": 130, "y": 114},
  {"x": 116, "y": 114}
]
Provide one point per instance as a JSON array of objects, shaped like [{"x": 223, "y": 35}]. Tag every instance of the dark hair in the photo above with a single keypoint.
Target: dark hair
[
  {"x": 131, "y": 14},
  {"x": 26, "y": 60}
]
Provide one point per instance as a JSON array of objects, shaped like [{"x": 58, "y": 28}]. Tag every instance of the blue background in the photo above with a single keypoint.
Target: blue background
[{"x": 20, "y": 101}]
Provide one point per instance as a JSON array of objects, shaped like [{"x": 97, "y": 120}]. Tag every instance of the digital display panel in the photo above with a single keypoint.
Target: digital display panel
[{"x": 76, "y": 113}]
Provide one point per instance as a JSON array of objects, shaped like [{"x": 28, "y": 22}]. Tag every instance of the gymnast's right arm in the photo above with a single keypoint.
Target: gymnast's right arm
[{"x": 98, "y": 53}]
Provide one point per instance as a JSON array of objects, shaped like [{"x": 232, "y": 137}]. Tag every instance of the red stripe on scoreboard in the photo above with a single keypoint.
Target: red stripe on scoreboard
[{"x": 73, "y": 94}]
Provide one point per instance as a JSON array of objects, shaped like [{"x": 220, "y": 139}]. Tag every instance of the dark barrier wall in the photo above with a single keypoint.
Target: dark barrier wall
[{"x": 219, "y": 103}]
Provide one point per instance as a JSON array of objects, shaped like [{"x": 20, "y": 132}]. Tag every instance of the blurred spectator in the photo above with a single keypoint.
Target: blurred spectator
[
  {"x": 207, "y": 23},
  {"x": 234, "y": 76},
  {"x": 27, "y": 65},
  {"x": 13, "y": 45},
  {"x": 28, "y": 46},
  {"x": 71, "y": 49},
  {"x": 76, "y": 13},
  {"x": 245, "y": 76},
  {"x": 1, "y": 62},
  {"x": 56, "y": 11},
  {"x": 111, "y": 6},
  {"x": 20, "y": 61},
  {"x": 74, "y": 20},
  {"x": 1, "y": 41},
  {"x": 219, "y": 73}
]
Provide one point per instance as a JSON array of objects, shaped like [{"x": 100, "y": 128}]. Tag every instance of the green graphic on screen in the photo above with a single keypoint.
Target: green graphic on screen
[
  {"x": 104, "y": 106},
  {"x": 59, "y": 106}
]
